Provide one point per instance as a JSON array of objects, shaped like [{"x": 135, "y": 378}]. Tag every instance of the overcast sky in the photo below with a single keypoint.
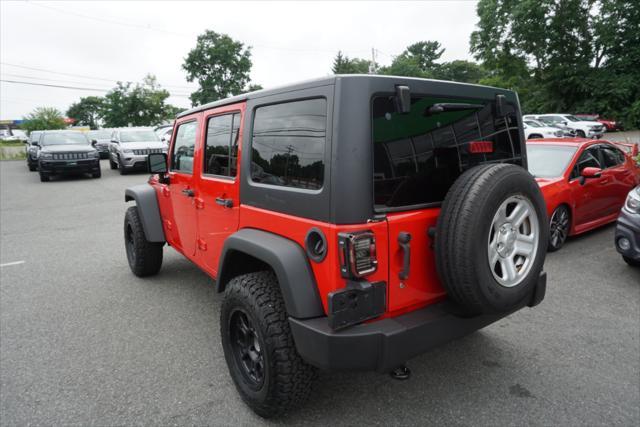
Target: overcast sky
[{"x": 94, "y": 44}]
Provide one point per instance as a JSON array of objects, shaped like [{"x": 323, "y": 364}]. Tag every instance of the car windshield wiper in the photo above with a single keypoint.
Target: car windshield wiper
[{"x": 443, "y": 107}]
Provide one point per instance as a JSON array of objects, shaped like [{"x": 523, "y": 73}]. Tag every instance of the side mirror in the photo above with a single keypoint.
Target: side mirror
[
  {"x": 564, "y": 123},
  {"x": 93, "y": 142},
  {"x": 591, "y": 172},
  {"x": 157, "y": 163}
]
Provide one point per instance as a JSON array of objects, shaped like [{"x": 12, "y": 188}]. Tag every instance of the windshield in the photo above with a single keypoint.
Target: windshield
[
  {"x": 99, "y": 134},
  {"x": 548, "y": 161},
  {"x": 64, "y": 138},
  {"x": 532, "y": 124},
  {"x": 138, "y": 136}
]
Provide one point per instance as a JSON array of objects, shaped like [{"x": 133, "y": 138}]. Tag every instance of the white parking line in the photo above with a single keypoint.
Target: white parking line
[{"x": 8, "y": 264}]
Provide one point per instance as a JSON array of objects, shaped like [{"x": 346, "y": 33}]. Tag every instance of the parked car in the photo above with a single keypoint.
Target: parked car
[
  {"x": 351, "y": 222},
  {"x": 130, "y": 147},
  {"x": 102, "y": 139},
  {"x": 535, "y": 130},
  {"x": 164, "y": 132},
  {"x": 627, "y": 236},
  {"x": 610, "y": 125},
  {"x": 65, "y": 152},
  {"x": 32, "y": 150},
  {"x": 584, "y": 183},
  {"x": 566, "y": 131},
  {"x": 582, "y": 128}
]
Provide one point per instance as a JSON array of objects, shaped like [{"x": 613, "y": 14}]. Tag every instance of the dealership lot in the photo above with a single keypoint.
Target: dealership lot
[{"x": 83, "y": 341}]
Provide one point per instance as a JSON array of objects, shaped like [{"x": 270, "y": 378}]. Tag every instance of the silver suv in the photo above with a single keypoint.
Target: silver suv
[{"x": 130, "y": 147}]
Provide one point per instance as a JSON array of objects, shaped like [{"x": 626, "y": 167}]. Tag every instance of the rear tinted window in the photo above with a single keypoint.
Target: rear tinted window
[
  {"x": 418, "y": 156},
  {"x": 288, "y": 144}
]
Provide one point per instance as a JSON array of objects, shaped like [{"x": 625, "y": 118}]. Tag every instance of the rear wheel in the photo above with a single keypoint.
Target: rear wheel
[
  {"x": 558, "y": 228},
  {"x": 264, "y": 364},
  {"x": 144, "y": 257},
  {"x": 632, "y": 262},
  {"x": 490, "y": 239}
]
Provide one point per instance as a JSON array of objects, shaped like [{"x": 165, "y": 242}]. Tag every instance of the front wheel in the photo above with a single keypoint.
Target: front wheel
[
  {"x": 121, "y": 167},
  {"x": 44, "y": 177},
  {"x": 558, "y": 228},
  {"x": 581, "y": 134},
  {"x": 145, "y": 257},
  {"x": 97, "y": 174},
  {"x": 264, "y": 364}
]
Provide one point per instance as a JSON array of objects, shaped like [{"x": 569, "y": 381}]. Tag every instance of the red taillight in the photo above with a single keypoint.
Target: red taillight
[
  {"x": 476, "y": 147},
  {"x": 357, "y": 254}
]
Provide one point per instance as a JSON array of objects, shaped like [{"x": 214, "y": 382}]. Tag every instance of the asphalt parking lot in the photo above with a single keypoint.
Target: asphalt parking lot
[{"x": 84, "y": 342}]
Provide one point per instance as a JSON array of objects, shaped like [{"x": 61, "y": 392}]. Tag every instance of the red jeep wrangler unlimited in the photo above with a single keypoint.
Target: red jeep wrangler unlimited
[{"x": 351, "y": 222}]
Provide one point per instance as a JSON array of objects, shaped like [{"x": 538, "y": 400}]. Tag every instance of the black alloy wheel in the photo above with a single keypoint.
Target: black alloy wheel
[
  {"x": 247, "y": 347},
  {"x": 558, "y": 228}
]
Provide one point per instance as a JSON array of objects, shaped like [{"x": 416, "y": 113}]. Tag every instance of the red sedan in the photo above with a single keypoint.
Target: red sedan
[{"x": 584, "y": 182}]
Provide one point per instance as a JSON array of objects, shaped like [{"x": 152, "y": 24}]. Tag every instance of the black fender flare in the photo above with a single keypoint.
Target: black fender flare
[
  {"x": 147, "y": 202},
  {"x": 288, "y": 261}
]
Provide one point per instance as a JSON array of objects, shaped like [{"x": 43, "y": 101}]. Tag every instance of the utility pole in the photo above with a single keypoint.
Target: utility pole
[{"x": 372, "y": 64}]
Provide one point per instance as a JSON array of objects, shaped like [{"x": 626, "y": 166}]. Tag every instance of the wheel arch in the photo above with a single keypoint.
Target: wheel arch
[
  {"x": 250, "y": 250},
  {"x": 147, "y": 203}
]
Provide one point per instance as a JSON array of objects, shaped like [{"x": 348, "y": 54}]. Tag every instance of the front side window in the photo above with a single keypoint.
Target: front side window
[
  {"x": 418, "y": 156},
  {"x": 611, "y": 156},
  {"x": 288, "y": 144},
  {"x": 221, "y": 145},
  {"x": 588, "y": 159},
  {"x": 183, "y": 147}
]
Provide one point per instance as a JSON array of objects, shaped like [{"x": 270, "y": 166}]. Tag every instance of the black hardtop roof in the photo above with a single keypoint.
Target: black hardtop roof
[{"x": 306, "y": 84}]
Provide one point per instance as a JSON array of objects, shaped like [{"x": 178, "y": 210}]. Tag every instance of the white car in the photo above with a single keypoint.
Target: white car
[
  {"x": 536, "y": 130},
  {"x": 584, "y": 129}
]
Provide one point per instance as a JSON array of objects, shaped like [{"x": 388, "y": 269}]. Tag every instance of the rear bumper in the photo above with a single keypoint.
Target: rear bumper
[
  {"x": 386, "y": 344},
  {"x": 68, "y": 167},
  {"x": 628, "y": 227}
]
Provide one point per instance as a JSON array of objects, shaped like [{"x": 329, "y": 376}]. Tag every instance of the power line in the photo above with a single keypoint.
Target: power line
[
  {"x": 73, "y": 87},
  {"x": 84, "y": 76}
]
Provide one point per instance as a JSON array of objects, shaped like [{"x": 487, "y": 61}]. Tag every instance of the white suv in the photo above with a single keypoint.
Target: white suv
[
  {"x": 534, "y": 130},
  {"x": 584, "y": 129}
]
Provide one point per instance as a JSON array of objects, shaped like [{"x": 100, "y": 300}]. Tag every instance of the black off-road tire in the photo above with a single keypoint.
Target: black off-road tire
[
  {"x": 286, "y": 378},
  {"x": 32, "y": 167},
  {"x": 144, "y": 257},
  {"x": 97, "y": 174},
  {"x": 632, "y": 262},
  {"x": 44, "y": 177},
  {"x": 559, "y": 226},
  {"x": 463, "y": 233},
  {"x": 112, "y": 165}
]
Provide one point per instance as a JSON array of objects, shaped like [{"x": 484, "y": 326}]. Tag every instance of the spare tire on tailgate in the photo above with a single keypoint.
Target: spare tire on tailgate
[{"x": 491, "y": 238}]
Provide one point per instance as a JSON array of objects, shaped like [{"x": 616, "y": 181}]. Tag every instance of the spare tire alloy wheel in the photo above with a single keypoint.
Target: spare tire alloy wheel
[
  {"x": 513, "y": 241},
  {"x": 490, "y": 239}
]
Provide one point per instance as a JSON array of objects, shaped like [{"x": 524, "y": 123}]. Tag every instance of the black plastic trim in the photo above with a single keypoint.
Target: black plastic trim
[
  {"x": 147, "y": 202},
  {"x": 288, "y": 261}
]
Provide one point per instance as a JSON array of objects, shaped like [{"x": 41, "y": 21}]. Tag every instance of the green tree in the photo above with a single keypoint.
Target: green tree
[
  {"x": 142, "y": 104},
  {"x": 424, "y": 54},
  {"x": 88, "y": 111},
  {"x": 460, "y": 71},
  {"x": 220, "y": 65},
  {"x": 43, "y": 118},
  {"x": 345, "y": 65},
  {"x": 570, "y": 55}
]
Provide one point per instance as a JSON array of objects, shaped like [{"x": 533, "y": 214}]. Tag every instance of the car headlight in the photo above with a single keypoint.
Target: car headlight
[
  {"x": 632, "y": 204},
  {"x": 127, "y": 151},
  {"x": 94, "y": 154}
]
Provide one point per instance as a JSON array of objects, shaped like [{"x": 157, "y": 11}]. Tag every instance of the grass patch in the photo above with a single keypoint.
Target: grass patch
[{"x": 12, "y": 143}]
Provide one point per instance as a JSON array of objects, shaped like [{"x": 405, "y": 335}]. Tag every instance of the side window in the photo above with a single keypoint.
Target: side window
[
  {"x": 588, "y": 159},
  {"x": 221, "y": 145},
  {"x": 182, "y": 154},
  {"x": 288, "y": 144},
  {"x": 611, "y": 156}
]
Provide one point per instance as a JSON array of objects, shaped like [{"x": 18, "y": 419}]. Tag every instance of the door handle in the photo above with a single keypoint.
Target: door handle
[
  {"x": 188, "y": 192},
  {"x": 227, "y": 203},
  {"x": 403, "y": 240}
]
